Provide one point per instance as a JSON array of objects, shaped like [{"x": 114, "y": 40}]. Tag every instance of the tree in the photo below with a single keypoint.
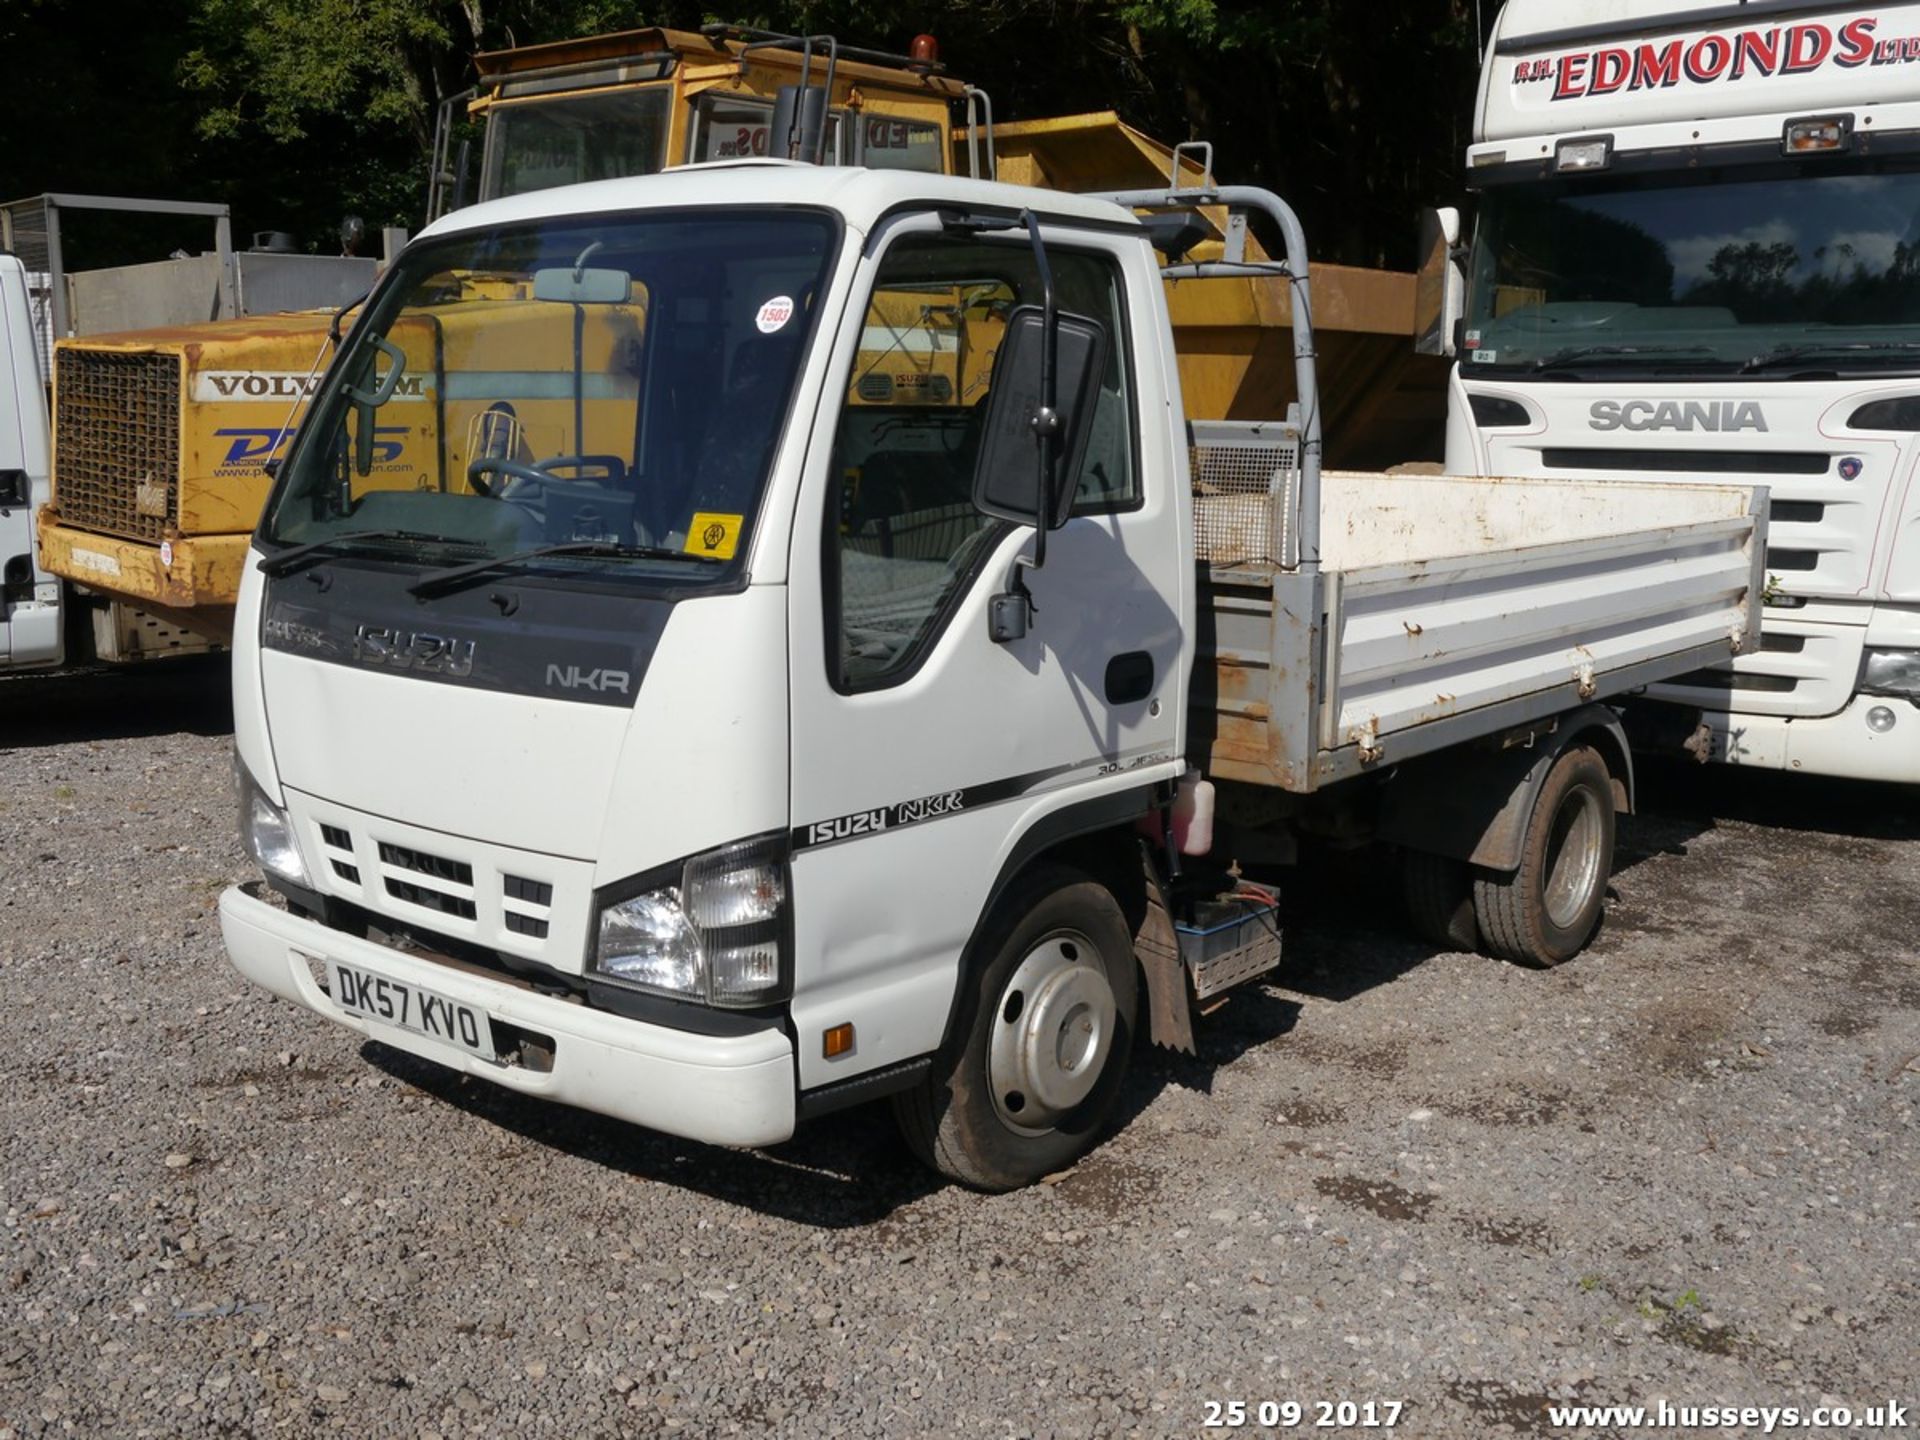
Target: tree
[{"x": 297, "y": 110}]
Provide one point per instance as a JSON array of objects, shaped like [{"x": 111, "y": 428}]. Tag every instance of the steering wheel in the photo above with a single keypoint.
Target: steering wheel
[
  {"x": 501, "y": 465},
  {"x": 609, "y": 469}
]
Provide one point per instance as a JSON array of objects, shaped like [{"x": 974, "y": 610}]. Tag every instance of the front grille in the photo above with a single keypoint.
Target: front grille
[
  {"x": 440, "y": 883},
  {"x": 1692, "y": 462},
  {"x": 532, "y": 896},
  {"x": 430, "y": 899},
  {"x": 117, "y": 441},
  {"x": 1793, "y": 559},
  {"x": 1798, "y": 512},
  {"x": 534, "y": 892},
  {"x": 421, "y": 863},
  {"x": 1734, "y": 680}
]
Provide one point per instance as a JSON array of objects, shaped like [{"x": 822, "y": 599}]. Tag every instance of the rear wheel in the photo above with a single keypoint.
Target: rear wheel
[
  {"x": 1545, "y": 912},
  {"x": 1039, "y": 1051}
]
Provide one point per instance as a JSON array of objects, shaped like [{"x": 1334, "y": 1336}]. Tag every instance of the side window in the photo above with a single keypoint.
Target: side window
[
  {"x": 1109, "y": 476},
  {"x": 904, "y": 539},
  {"x": 887, "y": 142}
]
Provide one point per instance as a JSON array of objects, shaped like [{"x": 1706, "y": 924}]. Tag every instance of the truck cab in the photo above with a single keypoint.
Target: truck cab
[
  {"x": 655, "y": 782},
  {"x": 1695, "y": 256}
]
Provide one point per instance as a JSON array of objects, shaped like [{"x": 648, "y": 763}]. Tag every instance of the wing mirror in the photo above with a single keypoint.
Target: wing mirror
[
  {"x": 1046, "y": 380},
  {"x": 1440, "y": 287},
  {"x": 1028, "y": 439}
]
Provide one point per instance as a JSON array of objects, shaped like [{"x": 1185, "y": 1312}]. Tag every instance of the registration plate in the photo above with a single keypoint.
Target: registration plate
[{"x": 393, "y": 1002}]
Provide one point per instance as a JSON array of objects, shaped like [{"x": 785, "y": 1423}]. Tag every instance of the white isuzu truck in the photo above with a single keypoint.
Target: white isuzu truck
[
  {"x": 1696, "y": 255},
  {"x": 804, "y": 655}
]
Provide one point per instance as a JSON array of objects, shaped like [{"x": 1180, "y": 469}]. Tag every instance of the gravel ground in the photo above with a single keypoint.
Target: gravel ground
[{"x": 1682, "y": 1167}]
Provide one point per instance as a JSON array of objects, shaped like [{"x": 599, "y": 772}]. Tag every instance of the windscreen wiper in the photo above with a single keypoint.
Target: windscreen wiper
[
  {"x": 280, "y": 562},
  {"x": 1793, "y": 354},
  {"x": 1618, "y": 354},
  {"x": 445, "y": 579}
]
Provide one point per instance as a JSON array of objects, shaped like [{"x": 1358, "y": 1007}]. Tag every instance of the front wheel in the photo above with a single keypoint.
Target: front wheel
[
  {"x": 1545, "y": 912},
  {"x": 1039, "y": 1051}
]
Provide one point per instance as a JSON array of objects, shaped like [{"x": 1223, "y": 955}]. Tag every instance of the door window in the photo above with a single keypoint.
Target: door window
[{"x": 904, "y": 541}]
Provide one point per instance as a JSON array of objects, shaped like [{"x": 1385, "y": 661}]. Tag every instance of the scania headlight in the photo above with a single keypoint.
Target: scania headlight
[
  {"x": 719, "y": 936},
  {"x": 1891, "y": 672},
  {"x": 266, "y": 832}
]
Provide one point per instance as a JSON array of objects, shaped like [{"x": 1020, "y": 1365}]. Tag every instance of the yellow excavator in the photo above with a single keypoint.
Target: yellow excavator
[{"x": 165, "y": 440}]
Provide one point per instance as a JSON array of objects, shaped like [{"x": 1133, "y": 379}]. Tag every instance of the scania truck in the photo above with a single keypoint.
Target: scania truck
[
  {"x": 1696, "y": 254},
  {"x": 695, "y": 730}
]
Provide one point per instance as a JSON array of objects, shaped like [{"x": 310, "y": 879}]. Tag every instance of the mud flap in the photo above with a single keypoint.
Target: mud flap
[{"x": 1169, "y": 1002}]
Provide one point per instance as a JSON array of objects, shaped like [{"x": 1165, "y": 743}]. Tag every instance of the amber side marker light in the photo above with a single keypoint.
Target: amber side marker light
[{"x": 837, "y": 1041}]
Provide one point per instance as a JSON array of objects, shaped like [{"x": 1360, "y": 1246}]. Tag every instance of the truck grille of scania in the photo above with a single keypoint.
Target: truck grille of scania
[{"x": 117, "y": 441}]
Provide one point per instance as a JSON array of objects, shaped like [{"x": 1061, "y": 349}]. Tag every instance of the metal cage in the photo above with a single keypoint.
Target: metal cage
[{"x": 1246, "y": 490}]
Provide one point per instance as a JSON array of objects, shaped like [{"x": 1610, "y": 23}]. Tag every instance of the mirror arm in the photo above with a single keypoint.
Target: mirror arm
[
  {"x": 1046, "y": 421},
  {"x": 579, "y": 377}
]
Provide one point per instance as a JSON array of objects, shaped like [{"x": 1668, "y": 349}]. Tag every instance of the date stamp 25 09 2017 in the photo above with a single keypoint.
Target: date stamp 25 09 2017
[{"x": 1301, "y": 1415}]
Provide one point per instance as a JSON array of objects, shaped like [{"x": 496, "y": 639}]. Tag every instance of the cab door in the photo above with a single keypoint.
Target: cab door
[{"x": 924, "y": 752}]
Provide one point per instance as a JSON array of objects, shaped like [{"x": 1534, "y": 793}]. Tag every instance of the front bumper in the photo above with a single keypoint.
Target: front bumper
[
  {"x": 731, "y": 1090},
  {"x": 192, "y": 572},
  {"x": 1840, "y": 745}
]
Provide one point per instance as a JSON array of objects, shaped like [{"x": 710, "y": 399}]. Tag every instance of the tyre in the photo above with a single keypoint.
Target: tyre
[
  {"x": 1439, "y": 894},
  {"x": 1544, "y": 913},
  {"x": 1027, "y": 1083}
]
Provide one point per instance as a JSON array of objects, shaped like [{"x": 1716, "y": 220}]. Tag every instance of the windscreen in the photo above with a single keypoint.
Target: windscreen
[
  {"x": 620, "y": 381},
  {"x": 537, "y": 144},
  {"x": 1732, "y": 272}
]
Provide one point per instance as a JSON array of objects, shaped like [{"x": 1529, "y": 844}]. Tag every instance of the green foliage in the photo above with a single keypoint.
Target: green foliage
[
  {"x": 297, "y": 110},
  {"x": 275, "y": 63}
]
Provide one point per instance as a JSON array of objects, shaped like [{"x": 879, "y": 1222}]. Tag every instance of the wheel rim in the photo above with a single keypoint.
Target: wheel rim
[
  {"x": 1573, "y": 855},
  {"x": 1052, "y": 1031}
]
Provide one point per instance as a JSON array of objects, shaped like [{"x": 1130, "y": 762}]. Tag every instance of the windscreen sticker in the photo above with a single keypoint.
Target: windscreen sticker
[
  {"x": 1486, "y": 357},
  {"x": 714, "y": 535},
  {"x": 774, "y": 314},
  {"x": 1473, "y": 339}
]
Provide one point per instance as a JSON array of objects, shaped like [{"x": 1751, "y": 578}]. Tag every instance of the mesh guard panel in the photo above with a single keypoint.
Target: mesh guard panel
[
  {"x": 117, "y": 441},
  {"x": 24, "y": 231},
  {"x": 1246, "y": 484}
]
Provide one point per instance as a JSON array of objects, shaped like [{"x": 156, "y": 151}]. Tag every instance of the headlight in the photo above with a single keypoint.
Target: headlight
[
  {"x": 1891, "y": 672},
  {"x": 265, "y": 832},
  {"x": 719, "y": 936}
]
